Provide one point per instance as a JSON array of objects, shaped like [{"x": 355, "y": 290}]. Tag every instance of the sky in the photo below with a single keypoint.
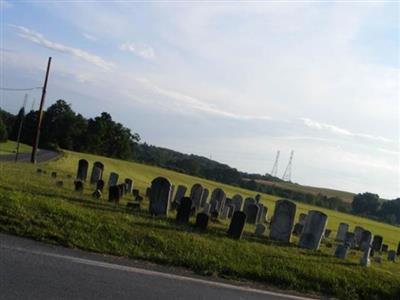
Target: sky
[{"x": 234, "y": 81}]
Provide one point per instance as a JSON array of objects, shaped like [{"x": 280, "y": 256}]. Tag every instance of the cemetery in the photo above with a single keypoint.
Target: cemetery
[{"x": 93, "y": 203}]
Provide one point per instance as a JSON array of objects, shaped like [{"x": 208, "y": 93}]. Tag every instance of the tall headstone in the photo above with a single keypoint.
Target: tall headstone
[
  {"x": 100, "y": 185},
  {"x": 358, "y": 230},
  {"x": 252, "y": 213},
  {"x": 237, "y": 225},
  {"x": 247, "y": 202},
  {"x": 302, "y": 218},
  {"x": 283, "y": 220},
  {"x": 83, "y": 166},
  {"x": 313, "y": 230},
  {"x": 180, "y": 193},
  {"x": 195, "y": 194},
  {"x": 207, "y": 208},
  {"x": 160, "y": 193},
  {"x": 128, "y": 185},
  {"x": 341, "y": 251},
  {"x": 377, "y": 243},
  {"x": 262, "y": 213},
  {"x": 114, "y": 194},
  {"x": 201, "y": 221},
  {"x": 350, "y": 239},
  {"x": 237, "y": 201},
  {"x": 113, "y": 179},
  {"x": 217, "y": 201},
  {"x": 366, "y": 240},
  {"x": 225, "y": 212},
  {"x": 183, "y": 212},
  {"x": 97, "y": 172},
  {"x": 204, "y": 197},
  {"x": 257, "y": 198},
  {"x": 341, "y": 233},
  {"x": 231, "y": 210}
]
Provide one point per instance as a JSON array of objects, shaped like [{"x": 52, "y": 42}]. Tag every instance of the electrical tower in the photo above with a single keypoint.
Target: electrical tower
[
  {"x": 274, "y": 171},
  {"x": 287, "y": 176}
]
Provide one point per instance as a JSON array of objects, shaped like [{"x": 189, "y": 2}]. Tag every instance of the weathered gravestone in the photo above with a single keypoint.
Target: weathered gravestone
[
  {"x": 97, "y": 172},
  {"x": 247, "y": 202},
  {"x": 195, "y": 194},
  {"x": 201, "y": 221},
  {"x": 298, "y": 229},
  {"x": 302, "y": 218},
  {"x": 398, "y": 249},
  {"x": 341, "y": 251},
  {"x": 377, "y": 243},
  {"x": 252, "y": 213},
  {"x": 341, "y": 233},
  {"x": 260, "y": 229},
  {"x": 358, "y": 230},
  {"x": 262, "y": 213},
  {"x": 313, "y": 230},
  {"x": 100, "y": 185},
  {"x": 283, "y": 220},
  {"x": 217, "y": 201},
  {"x": 160, "y": 193},
  {"x": 207, "y": 208},
  {"x": 54, "y": 174},
  {"x": 128, "y": 185},
  {"x": 114, "y": 194},
  {"x": 113, "y": 179},
  {"x": 180, "y": 193},
  {"x": 350, "y": 239},
  {"x": 384, "y": 248},
  {"x": 97, "y": 194},
  {"x": 366, "y": 240},
  {"x": 225, "y": 212},
  {"x": 135, "y": 193},
  {"x": 237, "y": 201},
  {"x": 121, "y": 189},
  {"x": 257, "y": 198},
  {"x": 83, "y": 166},
  {"x": 204, "y": 197},
  {"x": 183, "y": 212},
  {"x": 237, "y": 224},
  {"x": 231, "y": 210},
  {"x": 78, "y": 186},
  {"x": 327, "y": 233},
  {"x": 392, "y": 255}
]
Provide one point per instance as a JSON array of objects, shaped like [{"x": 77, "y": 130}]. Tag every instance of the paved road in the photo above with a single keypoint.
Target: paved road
[
  {"x": 32, "y": 270},
  {"x": 41, "y": 156}
]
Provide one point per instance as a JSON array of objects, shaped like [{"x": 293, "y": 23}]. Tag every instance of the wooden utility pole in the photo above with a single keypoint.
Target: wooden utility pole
[
  {"x": 40, "y": 115},
  {"x": 21, "y": 122}
]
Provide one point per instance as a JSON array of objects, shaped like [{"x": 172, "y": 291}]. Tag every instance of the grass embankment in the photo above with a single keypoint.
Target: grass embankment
[
  {"x": 31, "y": 205},
  {"x": 10, "y": 147}
]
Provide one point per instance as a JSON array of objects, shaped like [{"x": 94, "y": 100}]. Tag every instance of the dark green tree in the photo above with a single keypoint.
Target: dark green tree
[{"x": 3, "y": 131}]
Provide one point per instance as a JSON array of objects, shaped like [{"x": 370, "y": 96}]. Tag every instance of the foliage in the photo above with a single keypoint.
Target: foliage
[{"x": 3, "y": 131}]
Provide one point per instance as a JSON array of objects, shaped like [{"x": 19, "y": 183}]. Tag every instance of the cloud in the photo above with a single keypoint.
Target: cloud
[
  {"x": 144, "y": 51},
  {"x": 340, "y": 131},
  {"x": 5, "y": 4},
  {"x": 89, "y": 37},
  {"x": 39, "y": 39}
]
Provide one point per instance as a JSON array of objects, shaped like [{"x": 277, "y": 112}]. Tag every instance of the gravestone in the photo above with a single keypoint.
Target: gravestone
[
  {"x": 83, "y": 166},
  {"x": 237, "y": 201},
  {"x": 377, "y": 243},
  {"x": 283, "y": 220},
  {"x": 384, "y": 248},
  {"x": 201, "y": 221},
  {"x": 97, "y": 172},
  {"x": 183, "y": 212},
  {"x": 302, "y": 218},
  {"x": 180, "y": 193},
  {"x": 237, "y": 224},
  {"x": 217, "y": 201},
  {"x": 341, "y": 251},
  {"x": 251, "y": 213},
  {"x": 398, "y": 249},
  {"x": 228, "y": 201},
  {"x": 225, "y": 212},
  {"x": 78, "y": 186},
  {"x": 257, "y": 198},
  {"x": 100, "y": 185},
  {"x": 97, "y": 194},
  {"x": 195, "y": 194},
  {"x": 327, "y": 233},
  {"x": 349, "y": 239},
  {"x": 54, "y": 174},
  {"x": 121, "y": 189},
  {"x": 260, "y": 229},
  {"x": 148, "y": 191},
  {"x": 160, "y": 194},
  {"x": 358, "y": 230},
  {"x": 113, "y": 179},
  {"x": 231, "y": 210},
  {"x": 207, "y": 208},
  {"x": 392, "y": 255},
  {"x": 366, "y": 239},
  {"x": 298, "y": 229},
  {"x": 60, "y": 183},
  {"x": 113, "y": 194},
  {"x": 39, "y": 171},
  {"x": 128, "y": 185},
  {"x": 135, "y": 193},
  {"x": 138, "y": 198},
  {"x": 313, "y": 230},
  {"x": 341, "y": 233},
  {"x": 247, "y": 202},
  {"x": 204, "y": 197},
  {"x": 263, "y": 214}
]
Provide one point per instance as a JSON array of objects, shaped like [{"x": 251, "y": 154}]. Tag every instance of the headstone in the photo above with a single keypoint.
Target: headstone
[
  {"x": 237, "y": 225},
  {"x": 247, "y": 202},
  {"x": 341, "y": 233},
  {"x": 252, "y": 213},
  {"x": 341, "y": 251},
  {"x": 100, "y": 185},
  {"x": 358, "y": 230},
  {"x": 148, "y": 191},
  {"x": 97, "y": 194},
  {"x": 327, "y": 233},
  {"x": 204, "y": 197},
  {"x": 257, "y": 198},
  {"x": 377, "y": 243},
  {"x": 298, "y": 229},
  {"x": 225, "y": 212},
  {"x": 302, "y": 218},
  {"x": 113, "y": 179},
  {"x": 313, "y": 230},
  {"x": 207, "y": 208},
  {"x": 260, "y": 229},
  {"x": 128, "y": 185},
  {"x": 263, "y": 214},
  {"x": 283, "y": 220},
  {"x": 201, "y": 221},
  {"x": 180, "y": 193},
  {"x": 349, "y": 239},
  {"x": 160, "y": 194},
  {"x": 54, "y": 174},
  {"x": 139, "y": 198},
  {"x": 231, "y": 210},
  {"x": 60, "y": 183},
  {"x": 228, "y": 201},
  {"x": 83, "y": 166},
  {"x": 392, "y": 255},
  {"x": 385, "y": 248},
  {"x": 78, "y": 186},
  {"x": 135, "y": 193},
  {"x": 217, "y": 201},
  {"x": 366, "y": 239},
  {"x": 183, "y": 212},
  {"x": 121, "y": 189},
  {"x": 97, "y": 172},
  {"x": 114, "y": 194},
  {"x": 196, "y": 194},
  {"x": 237, "y": 201},
  {"x": 398, "y": 249},
  {"x": 39, "y": 171},
  {"x": 214, "y": 215}
]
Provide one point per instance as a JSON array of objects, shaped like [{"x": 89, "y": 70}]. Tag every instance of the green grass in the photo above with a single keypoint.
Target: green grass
[
  {"x": 10, "y": 147},
  {"x": 32, "y": 206}
]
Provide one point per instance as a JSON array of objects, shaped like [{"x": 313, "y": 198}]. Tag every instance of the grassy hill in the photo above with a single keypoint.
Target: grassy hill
[{"x": 9, "y": 147}]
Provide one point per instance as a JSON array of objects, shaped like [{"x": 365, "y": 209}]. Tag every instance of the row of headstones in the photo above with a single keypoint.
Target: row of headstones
[
  {"x": 281, "y": 226},
  {"x": 363, "y": 240}
]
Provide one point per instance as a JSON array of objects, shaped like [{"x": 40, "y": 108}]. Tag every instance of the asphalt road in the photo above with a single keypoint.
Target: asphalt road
[
  {"x": 32, "y": 270},
  {"x": 41, "y": 156}
]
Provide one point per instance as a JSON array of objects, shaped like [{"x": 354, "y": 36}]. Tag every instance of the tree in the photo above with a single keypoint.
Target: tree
[
  {"x": 3, "y": 131},
  {"x": 366, "y": 203}
]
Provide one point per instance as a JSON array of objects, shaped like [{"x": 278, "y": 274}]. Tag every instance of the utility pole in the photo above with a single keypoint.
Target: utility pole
[
  {"x": 21, "y": 122},
  {"x": 40, "y": 115}
]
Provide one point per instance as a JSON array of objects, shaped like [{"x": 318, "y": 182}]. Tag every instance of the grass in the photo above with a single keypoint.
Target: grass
[
  {"x": 10, "y": 147},
  {"x": 32, "y": 206}
]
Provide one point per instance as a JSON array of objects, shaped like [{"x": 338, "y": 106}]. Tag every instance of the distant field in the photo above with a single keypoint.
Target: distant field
[{"x": 9, "y": 147}]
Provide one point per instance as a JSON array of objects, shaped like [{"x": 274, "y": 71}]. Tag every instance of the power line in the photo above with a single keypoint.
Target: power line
[{"x": 19, "y": 90}]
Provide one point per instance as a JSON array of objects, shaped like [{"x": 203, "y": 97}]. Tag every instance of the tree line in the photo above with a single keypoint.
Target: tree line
[{"x": 101, "y": 135}]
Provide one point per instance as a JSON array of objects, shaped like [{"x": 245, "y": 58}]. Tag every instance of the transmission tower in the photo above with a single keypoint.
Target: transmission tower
[
  {"x": 274, "y": 171},
  {"x": 287, "y": 176}
]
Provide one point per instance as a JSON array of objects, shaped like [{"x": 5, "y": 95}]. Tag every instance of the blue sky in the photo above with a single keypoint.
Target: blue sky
[{"x": 234, "y": 80}]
